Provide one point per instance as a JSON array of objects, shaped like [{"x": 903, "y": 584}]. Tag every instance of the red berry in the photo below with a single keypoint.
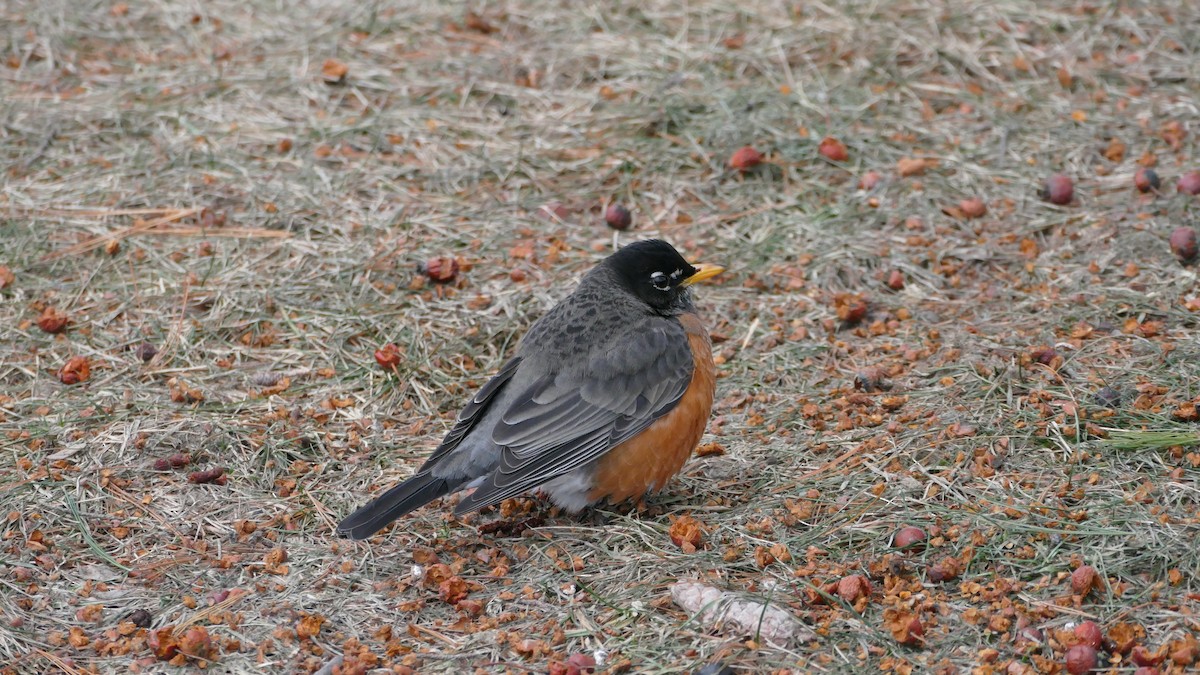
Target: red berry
[
  {"x": 1183, "y": 243},
  {"x": 869, "y": 180},
  {"x": 745, "y": 158},
  {"x": 1189, "y": 183},
  {"x": 1081, "y": 659},
  {"x": 833, "y": 149},
  {"x": 1146, "y": 180},
  {"x": 580, "y": 663},
  {"x": 973, "y": 207},
  {"x": 1089, "y": 634},
  {"x": 909, "y": 537},
  {"x": 1059, "y": 189},
  {"x": 618, "y": 217}
]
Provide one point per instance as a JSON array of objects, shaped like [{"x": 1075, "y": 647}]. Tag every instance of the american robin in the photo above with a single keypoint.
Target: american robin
[{"x": 605, "y": 399}]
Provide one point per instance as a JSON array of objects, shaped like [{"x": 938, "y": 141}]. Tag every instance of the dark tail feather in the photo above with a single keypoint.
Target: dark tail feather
[{"x": 397, "y": 501}]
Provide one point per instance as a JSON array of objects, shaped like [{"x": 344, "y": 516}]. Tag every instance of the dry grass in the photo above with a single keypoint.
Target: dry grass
[{"x": 448, "y": 139}]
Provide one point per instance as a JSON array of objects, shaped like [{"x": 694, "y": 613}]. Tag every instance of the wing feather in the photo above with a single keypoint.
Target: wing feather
[
  {"x": 473, "y": 411},
  {"x": 561, "y": 423}
]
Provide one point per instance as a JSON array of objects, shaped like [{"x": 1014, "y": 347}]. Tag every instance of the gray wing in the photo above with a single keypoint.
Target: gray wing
[
  {"x": 565, "y": 420},
  {"x": 471, "y": 414}
]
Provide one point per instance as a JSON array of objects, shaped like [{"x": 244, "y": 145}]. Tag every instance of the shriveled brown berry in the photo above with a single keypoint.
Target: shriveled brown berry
[
  {"x": 145, "y": 351},
  {"x": 388, "y": 356},
  {"x": 140, "y": 618},
  {"x": 905, "y": 627},
  {"x": 1183, "y": 243},
  {"x": 910, "y": 537},
  {"x": 850, "y": 307},
  {"x": 178, "y": 460},
  {"x": 1141, "y": 656},
  {"x": 618, "y": 217},
  {"x": 1044, "y": 355},
  {"x": 1059, "y": 189},
  {"x": 1189, "y": 183},
  {"x": 216, "y": 475},
  {"x": 833, "y": 149},
  {"x": 1146, "y": 179},
  {"x": 334, "y": 71},
  {"x": 53, "y": 321},
  {"x": 6, "y": 276},
  {"x": 946, "y": 569},
  {"x": 916, "y": 631},
  {"x": 163, "y": 643},
  {"x": 77, "y": 369},
  {"x": 197, "y": 643},
  {"x": 1089, "y": 633},
  {"x": 871, "y": 380},
  {"x": 1081, "y": 659},
  {"x": 442, "y": 269},
  {"x": 1185, "y": 656},
  {"x": 1084, "y": 579},
  {"x": 687, "y": 533},
  {"x": 452, "y": 590},
  {"x": 745, "y": 158},
  {"x": 853, "y": 587}
]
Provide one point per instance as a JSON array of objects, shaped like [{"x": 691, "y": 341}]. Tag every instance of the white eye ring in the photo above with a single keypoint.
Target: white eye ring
[{"x": 660, "y": 281}]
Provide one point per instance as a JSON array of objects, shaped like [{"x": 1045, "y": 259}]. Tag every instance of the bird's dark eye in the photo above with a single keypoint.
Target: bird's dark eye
[{"x": 660, "y": 281}]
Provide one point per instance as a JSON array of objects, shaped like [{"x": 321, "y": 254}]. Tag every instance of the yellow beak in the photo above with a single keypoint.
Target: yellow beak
[{"x": 702, "y": 272}]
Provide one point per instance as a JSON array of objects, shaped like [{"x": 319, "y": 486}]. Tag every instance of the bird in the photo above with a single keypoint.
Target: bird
[{"x": 604, "y": 400}]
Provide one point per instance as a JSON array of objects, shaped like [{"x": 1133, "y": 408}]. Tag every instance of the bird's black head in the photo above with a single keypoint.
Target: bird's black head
[{"x": 655, "y": 272}]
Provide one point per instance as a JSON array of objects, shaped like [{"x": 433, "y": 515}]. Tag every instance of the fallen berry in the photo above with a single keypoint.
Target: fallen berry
[
  {"x": 53, "y": 321},
  {"x": 744, "y": 159},
  {"x": 442, "y": 269},
  {"x": 909, "y": 537},
  {"x": 1189, "y": 183},
  {"x": 1146, "y": 180},
  {"x": 1059, "y": 189},
  {"x": 1183, "y": 244},
  {"x": 618, "y": 217},
  {"x": 833, "y": 149},
  {"x": 1081, "y": 659}
]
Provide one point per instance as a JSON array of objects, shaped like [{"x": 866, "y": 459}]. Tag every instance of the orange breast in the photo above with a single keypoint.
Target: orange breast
[{"x": 647, "y": 461}]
